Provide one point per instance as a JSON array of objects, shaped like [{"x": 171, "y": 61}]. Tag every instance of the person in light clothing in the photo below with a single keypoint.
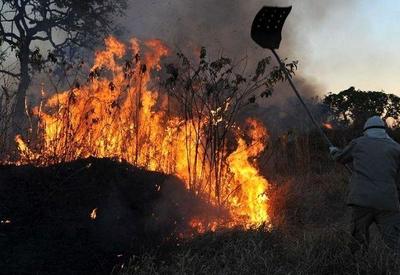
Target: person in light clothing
[{"x": 374, "y": 191}]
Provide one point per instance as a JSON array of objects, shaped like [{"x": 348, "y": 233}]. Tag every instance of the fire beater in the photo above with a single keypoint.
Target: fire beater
[{"x": 266, "y": 32}]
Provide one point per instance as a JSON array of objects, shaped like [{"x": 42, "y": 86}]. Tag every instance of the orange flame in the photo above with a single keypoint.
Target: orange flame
[
  {"x": 93, "y": 214},
  {"x": 252, "y": 202},
  {"x": 116, "y": 114},
  {"x": 327, "y": 126}
]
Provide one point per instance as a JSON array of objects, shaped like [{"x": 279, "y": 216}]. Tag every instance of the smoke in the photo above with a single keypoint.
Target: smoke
[
  {"x": 222, "y": 24},
  {"x": 177, "y": 207},
  {"x": 223, "y": 27}
]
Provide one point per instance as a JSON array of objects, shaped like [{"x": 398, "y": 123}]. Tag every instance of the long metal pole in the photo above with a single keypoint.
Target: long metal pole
[{"x": 289, "y": 78}]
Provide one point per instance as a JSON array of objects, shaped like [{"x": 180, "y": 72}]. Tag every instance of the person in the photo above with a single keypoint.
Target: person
[{"x": 374, "y": 194}]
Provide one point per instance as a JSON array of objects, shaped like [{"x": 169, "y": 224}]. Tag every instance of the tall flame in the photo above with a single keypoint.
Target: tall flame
[
  {"x": 252, "y": 184},
  {"x": 116, "y": 114}
]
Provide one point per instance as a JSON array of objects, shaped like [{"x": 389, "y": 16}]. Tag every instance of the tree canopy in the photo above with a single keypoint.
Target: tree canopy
[
  {"x": 353, "y": 107},
  {"x": 57, "y": 24}
]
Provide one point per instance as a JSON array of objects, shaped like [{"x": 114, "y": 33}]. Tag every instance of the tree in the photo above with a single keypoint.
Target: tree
[
  {"x": 353, "y": 107},
  {"x": 59, "y": 24},
  {"x": 210, "y": 95}
]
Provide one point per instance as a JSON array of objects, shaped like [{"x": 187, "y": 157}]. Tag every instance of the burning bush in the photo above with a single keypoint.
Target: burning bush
[{"x": 189, "y": 129}]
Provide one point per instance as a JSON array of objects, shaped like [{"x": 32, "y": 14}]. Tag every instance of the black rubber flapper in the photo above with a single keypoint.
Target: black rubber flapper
[{"x": 267, "y": 26}]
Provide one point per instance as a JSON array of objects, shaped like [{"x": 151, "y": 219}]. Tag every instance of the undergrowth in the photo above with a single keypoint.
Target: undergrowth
[
  {"x": 321, "y": 251},
  {"x": 310, "y": 235}
]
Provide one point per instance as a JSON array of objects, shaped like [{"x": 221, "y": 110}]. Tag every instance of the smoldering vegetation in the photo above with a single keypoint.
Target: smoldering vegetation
[
  {"x": 86, "y": 216},
  {"x": 135, "y": 231},
  {"x": 47, "y": 214}
]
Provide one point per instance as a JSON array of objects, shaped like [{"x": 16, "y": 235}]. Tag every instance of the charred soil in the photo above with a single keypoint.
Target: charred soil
[{"x": 86, "y": 216}]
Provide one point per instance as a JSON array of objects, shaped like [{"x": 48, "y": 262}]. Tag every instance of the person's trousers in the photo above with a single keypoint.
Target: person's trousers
[{"x": 388, "y": 223}]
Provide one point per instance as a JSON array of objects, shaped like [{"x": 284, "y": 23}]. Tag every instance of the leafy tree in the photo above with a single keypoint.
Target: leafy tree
[
  {"x": 353, "y": 107},
  {"x": 57, "y": 24}
]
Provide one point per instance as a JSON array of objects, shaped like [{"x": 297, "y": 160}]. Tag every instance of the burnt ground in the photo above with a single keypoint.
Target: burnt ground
[{"x": 50, "y": 229}]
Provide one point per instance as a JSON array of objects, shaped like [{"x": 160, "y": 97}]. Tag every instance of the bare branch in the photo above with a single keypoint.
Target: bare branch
[
  {"x": 9, "y": 41},
  {"x": 15, "y": 75},
  {"x": 40, "y": 38}
]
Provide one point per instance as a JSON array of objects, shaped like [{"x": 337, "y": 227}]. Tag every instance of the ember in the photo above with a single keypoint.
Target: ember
[
  {"x": 116, "y": 114},
  {"x": 93, "y": 214},
  {"x": 328, "y": 126}
]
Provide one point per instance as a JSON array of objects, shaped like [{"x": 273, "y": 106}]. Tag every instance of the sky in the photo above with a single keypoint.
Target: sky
[
  {"x": 338, "y": 44},
  {"x": 357, "y": 47}
]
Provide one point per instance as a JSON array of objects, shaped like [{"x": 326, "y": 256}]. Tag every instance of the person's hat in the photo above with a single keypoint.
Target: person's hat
[{"x": 374, "y": 122}]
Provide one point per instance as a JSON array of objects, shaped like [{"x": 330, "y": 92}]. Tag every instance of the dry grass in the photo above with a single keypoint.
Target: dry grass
[
  {"x": 322, "y": 251},
  {"x": 310, "y": 234}
]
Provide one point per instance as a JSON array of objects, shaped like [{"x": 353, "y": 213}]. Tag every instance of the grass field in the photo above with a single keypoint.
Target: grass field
[
  {"x": 318, "y": 251},
  {"x": 310, "y": 235}
]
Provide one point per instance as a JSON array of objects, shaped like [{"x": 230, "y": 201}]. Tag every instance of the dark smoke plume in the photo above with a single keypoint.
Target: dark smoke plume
[{"x": 223, "y": 27}]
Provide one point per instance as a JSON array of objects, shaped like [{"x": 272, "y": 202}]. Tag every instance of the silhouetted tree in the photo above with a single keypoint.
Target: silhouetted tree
[
  {"x": 353, "y": 107},
  {"x": 210, "y": 95},
  {"x": 58, "y": 24}
]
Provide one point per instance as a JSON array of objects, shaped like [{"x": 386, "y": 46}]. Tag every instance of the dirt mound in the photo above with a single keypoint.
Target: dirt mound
[{"x": 47, "y": 215}]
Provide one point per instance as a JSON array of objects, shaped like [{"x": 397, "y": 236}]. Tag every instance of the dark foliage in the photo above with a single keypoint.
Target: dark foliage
[
  {"x": 354, "y": 107},
  {"x": 51, "y": 231}
]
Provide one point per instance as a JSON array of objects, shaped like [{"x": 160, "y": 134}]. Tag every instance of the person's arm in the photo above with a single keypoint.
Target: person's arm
[
  {"x": 344, "y": 156},
  {"x": 398, "y": 183}
]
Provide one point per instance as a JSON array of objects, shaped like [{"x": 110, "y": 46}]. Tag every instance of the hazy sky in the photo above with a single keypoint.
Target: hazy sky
[
  {"x": 359, "y": 47},
  {"x": 339, "y": 43}
]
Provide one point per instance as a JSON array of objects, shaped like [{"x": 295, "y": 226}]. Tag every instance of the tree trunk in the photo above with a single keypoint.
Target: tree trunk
[{"x": 20, "y": 118}]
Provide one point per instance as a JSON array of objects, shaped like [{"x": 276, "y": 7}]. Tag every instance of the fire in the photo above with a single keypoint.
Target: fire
[
  {"x": 200, "y": 227},
  {"x": 93, "y": 214},
  {"x": 251, "y": 183},
  {"x": 118, "y": 114},
  {"x": 328, "y": 126}
]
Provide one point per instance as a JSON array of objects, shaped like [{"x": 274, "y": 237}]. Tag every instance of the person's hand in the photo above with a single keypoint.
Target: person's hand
[{"x": 333, "y": 150}]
